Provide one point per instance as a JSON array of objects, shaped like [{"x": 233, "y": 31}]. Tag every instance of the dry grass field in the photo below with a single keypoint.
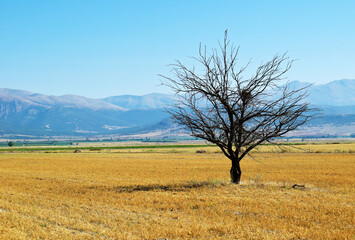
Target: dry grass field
[{"x": 178, "y": 194}]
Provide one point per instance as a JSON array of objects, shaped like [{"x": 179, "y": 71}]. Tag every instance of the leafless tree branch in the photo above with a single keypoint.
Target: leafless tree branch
[{"x": 234, "y": 113}]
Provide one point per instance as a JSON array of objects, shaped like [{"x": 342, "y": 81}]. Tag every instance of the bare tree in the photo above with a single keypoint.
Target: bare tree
[{"x": 234, "y": 113}]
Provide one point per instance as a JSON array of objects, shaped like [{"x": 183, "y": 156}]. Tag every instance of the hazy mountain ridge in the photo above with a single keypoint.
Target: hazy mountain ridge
[
  {"x": 23, "y": 112},
  {"x": 335, "y": 93},
  {"x": 332, "y": 94},
  {"x": 69, "y": 100},
  {"x": 148, "y": 101}
]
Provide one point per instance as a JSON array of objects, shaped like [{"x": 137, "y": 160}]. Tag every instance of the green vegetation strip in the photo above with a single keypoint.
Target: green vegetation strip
[
  {"x": 98, "y": 148},
  {"x": 72, "y": 148}
]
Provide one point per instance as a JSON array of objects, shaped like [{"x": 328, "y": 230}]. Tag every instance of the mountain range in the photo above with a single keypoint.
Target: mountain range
[
  {"x": 335, "y": 93},
  {"x": 27, "y": 114}
]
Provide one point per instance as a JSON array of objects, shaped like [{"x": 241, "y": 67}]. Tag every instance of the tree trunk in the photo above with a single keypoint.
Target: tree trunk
[{"x": 235, "y": 172}]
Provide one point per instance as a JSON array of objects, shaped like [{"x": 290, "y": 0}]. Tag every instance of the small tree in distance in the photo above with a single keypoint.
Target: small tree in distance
[
  {"x": 234, "y": 113},
  {"x": 10, "y": 144}
]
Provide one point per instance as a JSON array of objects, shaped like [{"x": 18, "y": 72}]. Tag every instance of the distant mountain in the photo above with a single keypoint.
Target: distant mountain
[
  {"x": 10, "y": 95},
  {"x": 335, "y": 93},
  {"x": 33, "y": 114},
  {"x": 149, "y": 101},
  {"x": 329, "y": 109},
  {"x": 27, "y": 113}
]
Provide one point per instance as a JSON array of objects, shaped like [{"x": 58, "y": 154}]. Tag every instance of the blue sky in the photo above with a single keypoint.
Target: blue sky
[{"x": 106, "y": 48}]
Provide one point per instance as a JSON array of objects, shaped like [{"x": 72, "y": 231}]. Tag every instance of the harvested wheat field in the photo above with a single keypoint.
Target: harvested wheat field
[{"x": 177, "y": 194}]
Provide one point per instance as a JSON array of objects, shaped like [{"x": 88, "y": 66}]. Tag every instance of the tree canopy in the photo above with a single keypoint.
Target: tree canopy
[{"x": 236, "y": 113}]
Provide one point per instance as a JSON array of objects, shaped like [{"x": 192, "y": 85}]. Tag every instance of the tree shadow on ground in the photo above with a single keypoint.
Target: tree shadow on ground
[{"x": 158, "y": 187}]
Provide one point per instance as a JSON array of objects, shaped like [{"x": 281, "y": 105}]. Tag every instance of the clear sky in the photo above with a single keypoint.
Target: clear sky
[{"x": 104, "y": 48}]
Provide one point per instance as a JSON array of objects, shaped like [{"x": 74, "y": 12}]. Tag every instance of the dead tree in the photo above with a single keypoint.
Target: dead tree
[{"x": 219, "y": 105}]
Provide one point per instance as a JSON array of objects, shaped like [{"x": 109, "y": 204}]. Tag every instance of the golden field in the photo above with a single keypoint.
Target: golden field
[{"x": 178, "y": 194}]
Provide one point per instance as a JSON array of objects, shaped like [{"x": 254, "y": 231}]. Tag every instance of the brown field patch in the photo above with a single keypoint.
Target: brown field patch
[{"x": 176, "y": 195}]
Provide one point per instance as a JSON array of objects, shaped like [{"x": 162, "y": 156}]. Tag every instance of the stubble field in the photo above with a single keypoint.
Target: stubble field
[{"x": 178, "y": 194}]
